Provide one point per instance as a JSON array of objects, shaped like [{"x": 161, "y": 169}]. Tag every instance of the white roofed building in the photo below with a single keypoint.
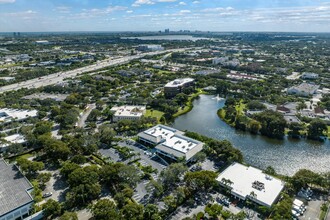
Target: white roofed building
[
  {"x": 128, "y": 112},
  {"x": 9, "y": 115},
  {"x": 171, "y": 142},
  {"x": 249, "y": 182},
  {"x": 304, "y": 89}
]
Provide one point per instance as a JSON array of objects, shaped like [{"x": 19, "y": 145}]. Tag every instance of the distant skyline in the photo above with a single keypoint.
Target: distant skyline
[{"x": 155, "y": 15}]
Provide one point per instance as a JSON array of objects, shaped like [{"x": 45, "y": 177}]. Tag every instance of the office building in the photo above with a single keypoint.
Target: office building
[
  {"x": 128, "y": 112},
  {"x": 171, "y": 143},
  {"x": 15, "y": 193},
  {"x": 246, "y": 182},
  {"x": 176, "y": 86}
]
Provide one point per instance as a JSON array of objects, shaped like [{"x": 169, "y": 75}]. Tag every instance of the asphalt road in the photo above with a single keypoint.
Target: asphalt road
[
  {"x": 61, "y": 76},
  {"x": 83, "y": 117}
]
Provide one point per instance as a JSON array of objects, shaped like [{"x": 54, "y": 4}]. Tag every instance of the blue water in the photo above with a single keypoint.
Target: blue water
[{"x": 286, "y": 156}]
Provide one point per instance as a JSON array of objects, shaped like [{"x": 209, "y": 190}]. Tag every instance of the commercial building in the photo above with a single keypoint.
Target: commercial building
[
  {"x": 150, "y": 47},
  {"x": 15, "y": 193},
  {"x": 8, "y": 115},
  {"x": 128, "y": 112},
  {"x": 171, "y": 142},
  {"x": 176, "y": 86},
  {"x": 251, "y": 183},
  {"x": 304, "y": 89},
  {"x": 12, "y": 139},
  {"x": 307, "y": 75}
]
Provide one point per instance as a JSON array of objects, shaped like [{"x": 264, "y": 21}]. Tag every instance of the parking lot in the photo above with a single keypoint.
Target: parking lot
[{"x": 313, "y": 208}]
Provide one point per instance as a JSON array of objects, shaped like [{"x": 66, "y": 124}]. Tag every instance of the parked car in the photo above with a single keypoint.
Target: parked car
[{"x": 46, "y": 195}]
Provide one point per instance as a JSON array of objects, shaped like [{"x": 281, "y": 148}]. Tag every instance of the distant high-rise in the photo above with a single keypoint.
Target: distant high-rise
[{"x": 167, "y": 31}]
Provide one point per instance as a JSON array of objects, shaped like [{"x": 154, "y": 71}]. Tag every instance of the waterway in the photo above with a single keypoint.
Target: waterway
[
  {"x": 168, "y": 37},
  {"x": 286, "y": 156}
]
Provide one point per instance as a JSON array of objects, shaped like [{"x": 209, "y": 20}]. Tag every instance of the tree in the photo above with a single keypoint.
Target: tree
[
  {"x": 151, "y": 212},
  {"x": 56, "y": 150},
  {"x": 28, "y": 167},
  {"x": 52, "y": 208},
  {"x": 106, "y": 135},
  {"x": 68, "y": 168},
  {"x": 273, "y": 123},
  {"x": 105, "y": 209},
  {"x": 171, "y": 175},
  {"x": 69, "y": 216},
  {"x": 132, "y": 211},
  {"x": 201, "y": 181},
  {"x": 43, "y": 127},
  {"x": 200, "y": 157},
  {"x": 255, "y": 105},
  {"x": 316, "y": 129},
  {"x": 295, "y": 129},
  {"x": 43, "y": 178},
  {"x": 254, "y": 126},
  {"x": 213, "y": 210}
]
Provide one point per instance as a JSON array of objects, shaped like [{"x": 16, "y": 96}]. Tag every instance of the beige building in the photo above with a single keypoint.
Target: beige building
[
  {"x": 128, "y": 112},
  {"x": 171, "y": 142}
]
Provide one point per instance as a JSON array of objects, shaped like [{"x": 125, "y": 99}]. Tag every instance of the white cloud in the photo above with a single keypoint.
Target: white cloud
[
  {"x": 6, "y": 1},
  {"x": 196, "y": 2},
  {"x": 167, "y": 0},
  {"x": 62, "y": 9},
  {"x": 182, "y": 3},
  {"x": 185, "y": 11},
  {"x": 115, "y": 8},
  {"x": 138, "y": 3},
  {"x": 129, "y": 12}
]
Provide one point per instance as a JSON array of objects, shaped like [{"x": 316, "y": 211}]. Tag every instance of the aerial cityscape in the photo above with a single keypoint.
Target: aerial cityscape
[{"x": 164, "y": 109}]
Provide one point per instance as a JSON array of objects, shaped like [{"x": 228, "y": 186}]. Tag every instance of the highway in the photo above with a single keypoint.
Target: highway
[{"x": 61, "y": 76}]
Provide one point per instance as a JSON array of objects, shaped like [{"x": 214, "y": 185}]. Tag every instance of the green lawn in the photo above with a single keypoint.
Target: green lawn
[
  {"x": 154, "y": 113},
  {"x": 240, "y": 107}
]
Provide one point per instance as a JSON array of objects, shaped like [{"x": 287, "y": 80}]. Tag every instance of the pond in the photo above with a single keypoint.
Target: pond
[{"x": 286, "y": 156}]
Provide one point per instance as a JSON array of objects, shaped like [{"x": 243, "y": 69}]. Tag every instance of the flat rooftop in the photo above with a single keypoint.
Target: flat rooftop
[
  {"x": 161, "y": 130},
  {"x": 180, "y": 143},
  {"x": 179, "y": 82},
  {"x": 128, "y": 110},
  {"x": 247, "y": 179},
  {"x": 16, "y": 114},
  {"x": 172, "y": 141},
  {"x": 306, "y": 87},
  {"x": 13, "y": 188},
  {"x": 43, "y": 96}
]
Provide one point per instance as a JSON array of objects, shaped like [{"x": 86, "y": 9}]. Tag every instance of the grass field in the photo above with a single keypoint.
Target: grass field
[{"x": 154, "y": 113}]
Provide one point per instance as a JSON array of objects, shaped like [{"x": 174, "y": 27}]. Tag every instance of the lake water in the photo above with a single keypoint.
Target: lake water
[
  {"x": 286, "y": 156},
  {"x": 167, "y": 37}
]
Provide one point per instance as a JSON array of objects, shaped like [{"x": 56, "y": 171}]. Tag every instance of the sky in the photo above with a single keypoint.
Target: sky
[{"x": 155, "y": 15}]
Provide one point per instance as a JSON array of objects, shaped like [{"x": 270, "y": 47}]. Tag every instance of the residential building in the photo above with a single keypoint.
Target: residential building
[
  {"x": 8, "y": 115},
  {"x": 246, "y": 182},
  {"x": 304, "y": 89},
  {"x": 307, "y": 75},
  {"x": 15, "y": 193},
  {"x": 176, "y": 86},
  {"x": 128, "y": 112},
  {"x": 171, "y": 143}
]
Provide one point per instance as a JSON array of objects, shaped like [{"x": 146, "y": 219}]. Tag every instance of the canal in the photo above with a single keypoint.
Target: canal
[{"x": 286, "y": 156}]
